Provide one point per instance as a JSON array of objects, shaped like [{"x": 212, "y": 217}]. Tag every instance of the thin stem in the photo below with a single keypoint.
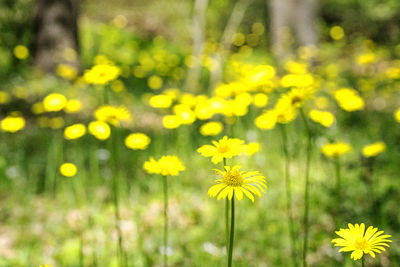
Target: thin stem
[
  {"x": 226, "y": 217},
  {"x": 306, "y": 188},
  {"x": 338, "y": 179},
  {"x": 165, "y": 187},
  {"x": 362, "y": 262},
  {"x": 115, "y": 176},
  {"x": 288, "y": 194},
  {"x": 231, "y": 237}
]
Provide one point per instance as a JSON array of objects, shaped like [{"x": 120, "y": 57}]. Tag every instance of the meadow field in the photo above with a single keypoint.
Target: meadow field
[{"x": 147, "y": 154}]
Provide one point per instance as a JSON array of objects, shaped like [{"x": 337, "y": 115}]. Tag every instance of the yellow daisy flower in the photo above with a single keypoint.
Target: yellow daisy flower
[
  {"x": 238, "y": 183},
  {"x": 137, "y": 141},
  {"x": 12, "y": 124},
  {"x": 336, "y": 149},
  {"x": 361, "y": 242},
  {"x": 224, "y": 148},
  {"x": 74, "y": 131},
  {"x": 166, "y": 165},
  {"x": 68, "y": 169},
  {"x": 101, "y": 74},
  {"x": 113, "y": 114},
  {"x": 373, "y": 150}
]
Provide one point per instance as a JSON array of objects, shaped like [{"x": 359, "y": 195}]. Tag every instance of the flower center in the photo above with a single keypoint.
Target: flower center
[
  {"x": 361, "y": 244},
  {"x": 233, "y": 178},
  {"x": 223, "y": 149}
]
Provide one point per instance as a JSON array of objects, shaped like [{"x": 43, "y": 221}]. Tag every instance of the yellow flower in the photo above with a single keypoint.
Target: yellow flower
[
  {"x": 74, "y": 131},
  {"x": 185, "y": 114},
  {"x": 237, "y": 183},
  {"x": 73, "y": 106},
  {"x": 166, "y": 165},
  {"x": 366, "y": 58},
  {"x": 211, "y": 128},
  {"x": 113, "y": 114},
  {"x": 267, "y": 120},
  {"x": 56, "y": 123},
  {"x": 160, "y": 101},
  {"x": 99, "y": 129},
  {"x": 285, "y": 110},
  {"x": 224, "y": 148},
  {"x": 260, "y": 100},
  {"x": 373, "y": 150},
  {"x": 21, "y": 52},
  {"x": 349, "y": 100},
  {"x": 68, "y": 169},
  {"x": 251, "y": 148},
  {"x": 297, "y": 80},
  {"x": 101, "y": 74},
  {"x": 4, "y": 97},
  {"x": 45, "y": 265},
  {"x": 155, "y": 82},
  {"x": 298, "y": 95},
  {"x": 336, "y": 149},
  {"x": 361, "y": 241},
  {"x": 12, "y": 124},
  {"x": 66, "y": 71},
  {"x": 325, "y": 118},
  {"x": 137, "y": 141},
  {"x": 171, "y": 121},
  {"x": 397, "y": 115},
  {"x": 54, "y": 102},
  {"x": 336, "y": 32}
]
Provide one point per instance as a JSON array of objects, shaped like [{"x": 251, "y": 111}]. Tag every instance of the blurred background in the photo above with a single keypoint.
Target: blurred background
[{"x": 168, "y": 68}]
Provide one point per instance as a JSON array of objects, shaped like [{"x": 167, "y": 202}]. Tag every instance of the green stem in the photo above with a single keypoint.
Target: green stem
[
  {"x": 338, "y": 180},
  {"x": 288, "y": 194},
  {"x": 165, "y": 187},
  {"x": 306, "y": 188},
  {"x": 231, "y": 237},
  {"x": 226, "y": 217},
  {"x": 362, "y": 262},
  {"x": 115, "y": 176}
]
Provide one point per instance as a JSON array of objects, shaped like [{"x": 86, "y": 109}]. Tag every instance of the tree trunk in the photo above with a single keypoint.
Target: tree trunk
[
  {"x": 305, "y": 22},
  {"x": 55, "y": 32},
  {"x": 199, "y": 22},
  {"x": 288, "y": 16}
]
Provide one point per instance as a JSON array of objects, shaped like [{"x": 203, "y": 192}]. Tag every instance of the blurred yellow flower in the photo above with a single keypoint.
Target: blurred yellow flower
[
  {"x": 74, "y": 131},
  {"x": 373, "y": 150},
  {"x": 99, "y": 129},
  {"x": 211, "y": 128},
  {"x": 171, "y": 121},
  {"x": 137, "y": 141},
  {"x": 37, "y": 108},
  {"x": 397, "y": 115},
  {"x": 224, "y": 148},
  {"x": 366, "y": 58},
  {"x": 267, "y": 120},
  {"x": 260, "y": 100},
  {"x": 361, "y": 241},
  {"x": 336, "y": 32},
  {"x": 54, "y": 102},
  {"x": 349, "y": 99},
  {"x": 336, "y": 149},
  {"x": 166, "y": 165},
  {"x": 73, "y": 106},
  {"x": 113, "y": 114},
  {"x": 325, "y": 118},
  {"x": 285, "y": 108},
  {"x": 160, "y": 101},
  {"x": 251, "y": 148},
  {"x": 12, "y": 123},
  {"x": 21, "y": 52},
  {"x": 185, "y": 114},
  {"x": 155, "y": 82},
  {"x": 297, "y": 80},
  {"x": 234, "y": 182},
  {"x": 68, "y": 169},
  {"x": 66, "y": 71},
  {"x": 101, "y": 74},
  {"x": 4, "y": 97},
  {"x": 56, "y": 123},
  {"x": 298, "y": 95}
]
